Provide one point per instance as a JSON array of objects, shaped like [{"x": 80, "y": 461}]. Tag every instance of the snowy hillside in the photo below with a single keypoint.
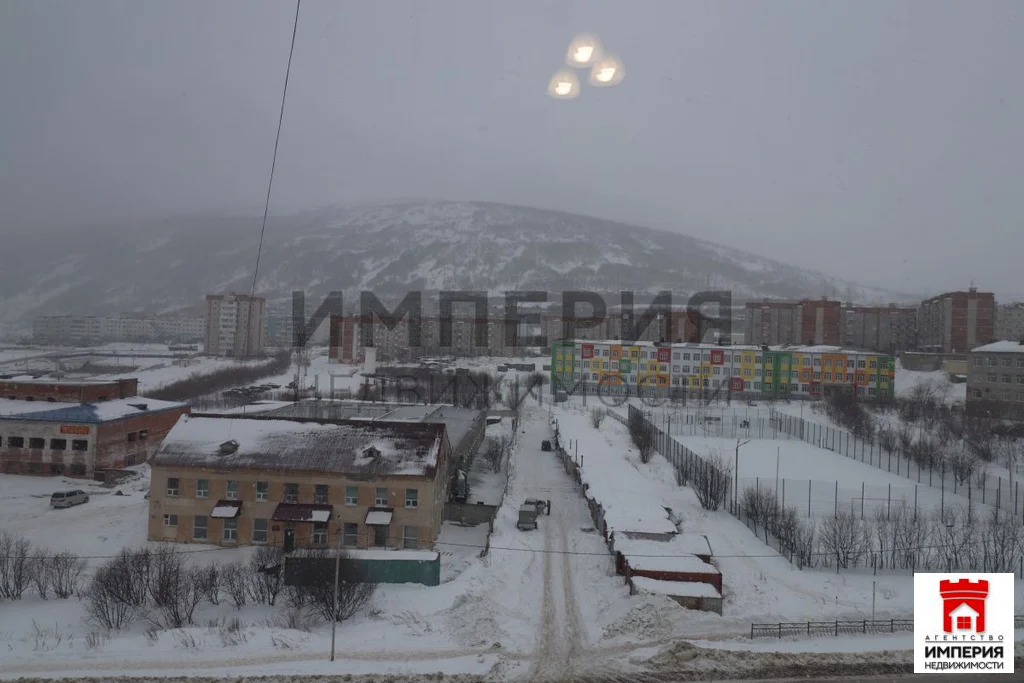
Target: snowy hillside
[{"x": 386, "y": 248}]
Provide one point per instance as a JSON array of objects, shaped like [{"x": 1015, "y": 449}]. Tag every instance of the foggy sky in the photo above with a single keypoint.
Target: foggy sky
[{"x": 875, "y": 141}]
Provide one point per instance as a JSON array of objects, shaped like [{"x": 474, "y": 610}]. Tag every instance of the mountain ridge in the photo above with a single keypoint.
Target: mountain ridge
[{"x": 389, "y": 248}]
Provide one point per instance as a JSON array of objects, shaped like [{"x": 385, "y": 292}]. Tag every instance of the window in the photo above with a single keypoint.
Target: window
[
  {"x": 320, "y": 493},
  {"x": 58, "y": 444},
  {"x": 991, "y": 362},
  {"x": 170, "y": 520},
  {"x": 410, "y": 537},
  {"x": 259, "y": 531},
  {"x": 143, "y": 434},
  {"x": 828, "y": 362},
  {"x": 79, "y": 445},
  {"x": 262, "y": 490},
  {"x": 1020, "y": 379},
  {"x": 231, "y": 529},
  {"x": 1007, "y": 379},
  {"x": 757, "y": 386},
  {"x": 231, "y": 489},
  {"x": 291, "y": 493},
  {"x": 860, "y": 364},
  {"x": 15, "y": 442},
  {"x": 319, "y": 533},
  {"x": 350, "y": 534},
  {"x": 1020, "y": 362},
  {"x": 828, "y": 376},
  {"x": 172, "y": 486},
  {"x": 37, "y": 442},
  {"x": 380, "y": 498},
  {"x": 199, "y": 526},
  {"x": 412, "y": 498},
  {"x": 1007, "y": 362},
  {"x": 963, "y": 623},
  {"x": 351, "y": 495},
  {"x": 993, "y": 378},
  {"x": 132, "y": 436},
  {"x": 202, "y": 488},
  {"x": 849, "y": 363}
]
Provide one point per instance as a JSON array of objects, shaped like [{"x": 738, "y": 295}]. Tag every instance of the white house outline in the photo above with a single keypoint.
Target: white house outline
[{"x": 964, "y": 610}]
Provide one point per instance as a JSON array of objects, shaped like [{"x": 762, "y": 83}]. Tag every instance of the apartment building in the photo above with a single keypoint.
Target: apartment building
[
  {"x": 1010, "y": 321},
  {"x": 814, "y": 321},
  {"x": 956, "y": 322},
  {"x": 646, "y": 368},
  {"x": 995, "y": 380},
  {"x": 234, "y": 325},
  {"x": 75, "y": 329},
  {"x": 396, "y": 343},
  {"x": 887, "y": 329},
  {"x": 241, "y": 479},
  {"x": 79, "y": 429}
]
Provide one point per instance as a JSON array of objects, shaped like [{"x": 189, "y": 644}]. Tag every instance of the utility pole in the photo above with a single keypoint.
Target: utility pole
[
  {"x": 337, "y": 574},
  {"x": 736, "y": 473}
]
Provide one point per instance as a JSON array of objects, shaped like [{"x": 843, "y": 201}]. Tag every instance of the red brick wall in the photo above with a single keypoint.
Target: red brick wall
[
  {"x": 113, "y": 447},
  {"x": 70, "y": 393},
  {"x": 830, "y": 313}
]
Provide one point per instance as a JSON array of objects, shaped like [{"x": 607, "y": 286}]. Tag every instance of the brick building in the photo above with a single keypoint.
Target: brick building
[
  {"x": 810, "y": 321},
  {"x": 85, "y": 391},
  {"x": 956, "y": 322},
  {"x": 40, "y": 434},
  {"x": 995, "y": 381},
  {"x": 240, "y": 479},
  {"x": 1010, "y": 321}
]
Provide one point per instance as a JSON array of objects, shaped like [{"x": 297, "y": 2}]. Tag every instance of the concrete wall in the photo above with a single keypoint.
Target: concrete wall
[{"x": 469, "y": 514}]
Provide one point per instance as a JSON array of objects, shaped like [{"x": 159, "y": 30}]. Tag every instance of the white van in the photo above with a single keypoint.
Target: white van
[{"x": 65, "y": 499}]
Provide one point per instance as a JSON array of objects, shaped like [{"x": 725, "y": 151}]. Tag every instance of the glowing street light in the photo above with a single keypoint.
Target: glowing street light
[
  {"x": 564, "y": 85},
  {"x": 583, "y": 51},
  {"x": 607, "y": 71}
]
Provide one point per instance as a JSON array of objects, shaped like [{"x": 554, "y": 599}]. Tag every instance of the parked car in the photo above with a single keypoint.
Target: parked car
[
  {"x": 65, "y": 499},
  {"x": 527, "y": 517}
]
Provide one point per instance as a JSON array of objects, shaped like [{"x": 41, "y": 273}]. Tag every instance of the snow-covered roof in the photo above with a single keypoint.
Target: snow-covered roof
[
  {"x": 700, "y": 346},
  {"x": 92, "y": 413},
  {"x": 300, "y": 444},
  {"x": 690, "y": 564},
  {"x": 1000, "y": 347},
  {"x": 680, "y": 544},
  {"x": 378, "y": 517},
  {"x": 226, "y": 509},
  {"x": 683, "y": 589}
]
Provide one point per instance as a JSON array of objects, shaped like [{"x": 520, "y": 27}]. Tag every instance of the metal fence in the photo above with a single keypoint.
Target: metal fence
[
  {"x": 830, "y": 628},
  {"x": 990, "y": 490}
]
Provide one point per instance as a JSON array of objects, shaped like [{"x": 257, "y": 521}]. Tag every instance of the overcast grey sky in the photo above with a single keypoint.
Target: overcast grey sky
[{"x": 875, "y": 140}]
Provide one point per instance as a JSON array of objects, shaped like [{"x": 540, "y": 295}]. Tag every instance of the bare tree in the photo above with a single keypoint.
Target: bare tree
[
  {"x": 39, "y": 571},
  {"x": 181, "y": 593},
  {"x": 597, "y": 417},
  {"x": 104, "y": 601},
  {"x": 266, "y": 579},
  {"x": 168, "y": 563},
  {"x": 641, "y": 432},
  {"x": 209, "y": 581},
  {"x": 844, "y": 537},
  {"x": 1001, "y": 542},
  {"x": 710, "y": 481},
  {"x": 960, "y": 462},
  {"x": 15, "y": 565},
  {"x": 494, "y": 451}
]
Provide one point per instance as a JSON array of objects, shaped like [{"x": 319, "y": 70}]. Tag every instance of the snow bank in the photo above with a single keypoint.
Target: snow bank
[{"x": 686, "y": 589}]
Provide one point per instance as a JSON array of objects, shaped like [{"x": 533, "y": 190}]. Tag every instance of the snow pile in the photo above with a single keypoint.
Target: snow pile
[{"x": 685, "y": 589}]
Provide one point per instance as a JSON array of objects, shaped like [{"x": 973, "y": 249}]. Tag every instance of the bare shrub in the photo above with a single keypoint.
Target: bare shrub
[
  {"x": 266, "y": 579},
  {"x": 844, "y": 537},
  {"x": 494, "y": 451},
  {"x": 641, "y": 433},
  {"x": 181, "y": 592},
  {"x": 66, "y": 574},
  {"x": 318, "y": 595},
  {"x": 961, "y": 463},
  {"x": 105, "y": 601},
  {"x": 39, "y": 572},
  {"x": 201, "y": 384},
  {"x": 168, "y": 565},
  {"x": 231, "y": 633},
  {"x": 710, "y": 481},
  {"x": 597, "y": 417},
  {"x": 94, "y": 640},
  {"x": 235, "y": 582},
  {"x": 760, "y": 505},
  {"x": 209, "y": 583}
]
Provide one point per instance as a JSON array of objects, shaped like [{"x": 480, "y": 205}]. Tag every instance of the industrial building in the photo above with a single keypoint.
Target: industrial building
[{"x": 79, "y": 429}]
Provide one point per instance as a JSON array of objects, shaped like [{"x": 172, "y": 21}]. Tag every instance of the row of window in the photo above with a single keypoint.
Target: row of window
[
  {"x": 140, "y": 435},
  {"x": 992, "y": 377},
  {"x": 1005, "y": 362},
  {"x": 1004, "y": 396},
  {"x": 38, "y": 442},
  {"x": 260, "y": 527},
  {"x": 727, "y": 358},
  {"x": 586, "y": 364},
  {"x": 321, "y": 492}
]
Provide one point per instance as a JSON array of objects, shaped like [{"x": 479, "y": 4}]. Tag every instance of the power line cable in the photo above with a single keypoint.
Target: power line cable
[{"x": 277, "y": 140}]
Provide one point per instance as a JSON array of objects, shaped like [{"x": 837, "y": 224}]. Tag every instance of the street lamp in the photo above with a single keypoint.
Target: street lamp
[
  {"x": 564, "y": 85},
  {"x": 608, "y": 71},
  {"x": 736, "y": 473},
  {"x": 584, "y": 51}
]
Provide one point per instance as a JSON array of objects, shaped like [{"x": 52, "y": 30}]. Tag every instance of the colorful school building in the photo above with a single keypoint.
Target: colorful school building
[{"x": 666, "y": 369}]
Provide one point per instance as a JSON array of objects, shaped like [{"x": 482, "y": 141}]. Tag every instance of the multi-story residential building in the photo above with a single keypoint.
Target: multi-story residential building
[
  {"x": 1010, "y": 321},
  {"x": 888, "y": 329},
  {"x": 995, "y": 380},
  {"x": 814, "y": 321},
  {"x": 79, "y": 429},
  {"x": 279, "y": 326},
  {"x": 675, "y": 369},
  {"x": 956, "y": 322},
  {"x": 239, "y": 480},
  {"x": 396, "y": 343},
  {"x": 72, "y": 329},
  {"x": 234, "y": 325}
]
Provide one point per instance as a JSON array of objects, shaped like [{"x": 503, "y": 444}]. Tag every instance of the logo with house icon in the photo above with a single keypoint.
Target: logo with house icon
[{"x": 963, "y": 605}]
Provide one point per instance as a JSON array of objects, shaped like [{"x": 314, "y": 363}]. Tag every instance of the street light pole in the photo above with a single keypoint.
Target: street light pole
[
  {"x": 337, "y": 572},
  {"x": 736, "y": 473}
]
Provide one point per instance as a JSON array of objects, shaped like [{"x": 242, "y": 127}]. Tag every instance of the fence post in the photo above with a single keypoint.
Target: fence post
[
  {"x": 780, "y": 630},
  {"x": 783, "y": 494},
  {"x": 862, "y": 486},
  {"x": 999, "y": 493},
  {"x": 751, "y": 631},
  {"x": 865, "y": 626},
  {"x": 888, "y": 502},
  {"x": 837, "y": 624},
  {"x": 808, "y": 498},
  {"x": 835, "y": 512},
  {"x": 915, "y": 502}
]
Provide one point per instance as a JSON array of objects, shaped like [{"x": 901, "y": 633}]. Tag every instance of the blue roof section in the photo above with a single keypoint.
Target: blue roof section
[{"x": 84, "y": 413}]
